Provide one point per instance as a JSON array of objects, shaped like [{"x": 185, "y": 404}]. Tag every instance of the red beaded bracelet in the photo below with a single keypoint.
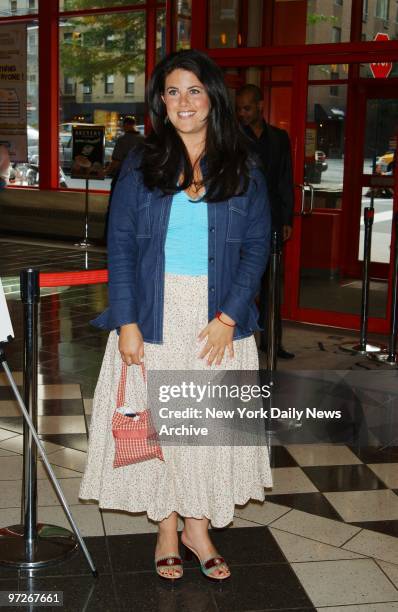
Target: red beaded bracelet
[{"x": 218, "y": 315}]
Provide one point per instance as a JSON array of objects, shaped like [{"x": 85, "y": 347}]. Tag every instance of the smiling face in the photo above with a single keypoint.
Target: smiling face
[{"x": 187, "y": 103}]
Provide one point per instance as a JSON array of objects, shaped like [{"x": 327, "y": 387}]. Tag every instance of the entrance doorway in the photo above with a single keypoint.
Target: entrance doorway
[
  {"x": 354, "y": 143},
  {"x": 341, "y": 125}
]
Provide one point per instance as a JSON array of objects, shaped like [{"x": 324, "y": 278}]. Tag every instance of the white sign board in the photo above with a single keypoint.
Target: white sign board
[
  {"x": 5, "y": 321},
  {"x": 13, "y": 94}
]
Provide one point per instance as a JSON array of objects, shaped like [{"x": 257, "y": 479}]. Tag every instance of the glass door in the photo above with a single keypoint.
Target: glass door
[
  {"x": 322, "y": 195},
  {"x": 349, "y": 155}
]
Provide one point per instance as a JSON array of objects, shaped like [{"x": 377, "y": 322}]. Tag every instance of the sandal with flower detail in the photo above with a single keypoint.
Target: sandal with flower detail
[
  {"x": 208, "y": 565},
  {"x": 171, "y": 561}
]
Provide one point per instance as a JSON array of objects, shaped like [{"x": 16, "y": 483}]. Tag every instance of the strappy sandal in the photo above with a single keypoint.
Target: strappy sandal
[
  {"x": 207, "y": 565},
  {"x": 170, "y": 562}
]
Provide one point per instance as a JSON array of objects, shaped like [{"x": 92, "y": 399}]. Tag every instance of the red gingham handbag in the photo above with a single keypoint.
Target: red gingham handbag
[{"x": 135, "y": 437}]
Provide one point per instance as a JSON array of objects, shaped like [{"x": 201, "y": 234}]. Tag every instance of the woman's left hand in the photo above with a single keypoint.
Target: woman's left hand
[{"x": 219, "y": 337}]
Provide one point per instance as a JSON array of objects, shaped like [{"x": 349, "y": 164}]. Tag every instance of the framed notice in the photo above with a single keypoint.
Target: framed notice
[
  {"x": 310, "y": 141},
  {"x": 88, "y": 148},
  {"x": 13, "y": 124}
]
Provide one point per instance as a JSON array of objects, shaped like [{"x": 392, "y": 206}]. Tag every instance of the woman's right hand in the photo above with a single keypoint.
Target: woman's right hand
[{"x": 131, "y": 344}]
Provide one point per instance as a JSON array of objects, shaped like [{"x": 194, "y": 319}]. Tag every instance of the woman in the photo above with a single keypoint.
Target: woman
[{"x": 187, "y": 245}]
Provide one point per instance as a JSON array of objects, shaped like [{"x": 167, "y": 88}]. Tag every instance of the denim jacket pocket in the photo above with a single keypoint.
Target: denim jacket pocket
[
  {"x": 237, "y": 213},
  {"x": 144, "y": 217}
]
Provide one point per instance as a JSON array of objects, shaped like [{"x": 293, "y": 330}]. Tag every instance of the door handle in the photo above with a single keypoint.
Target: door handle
[
  {"x": 305, "y": 187},
  {"x": 311, "y": 190}
]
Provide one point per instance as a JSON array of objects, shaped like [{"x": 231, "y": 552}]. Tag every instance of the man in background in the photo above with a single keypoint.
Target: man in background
[
  {"x": 272, "y": 146},
  {"x": 123, "y": 146}
]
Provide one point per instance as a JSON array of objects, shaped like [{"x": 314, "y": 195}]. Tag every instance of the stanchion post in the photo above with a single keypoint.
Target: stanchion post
[
  {"x": 30, "y": 295},
  {"x": 273, "y": 302},
  {"x": 392, "y": 344},
  {"x": 389, "y": 356},
  {"x": 368, "y": 216},
  {"x": 364, "y": 348},
  {"x": 84, "y": 243},
  {"x": 86, "y": 214}
]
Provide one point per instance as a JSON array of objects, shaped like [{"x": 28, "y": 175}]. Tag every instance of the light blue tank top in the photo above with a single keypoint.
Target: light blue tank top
[{"x": 186, "y": 248}]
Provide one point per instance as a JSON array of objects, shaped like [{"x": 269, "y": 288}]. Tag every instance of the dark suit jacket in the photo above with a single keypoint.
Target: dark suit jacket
[{"x": 273, "y": 149}]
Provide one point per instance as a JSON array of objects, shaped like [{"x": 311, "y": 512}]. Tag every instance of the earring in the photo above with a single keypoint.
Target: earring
[{"x": 166, "y": 119}]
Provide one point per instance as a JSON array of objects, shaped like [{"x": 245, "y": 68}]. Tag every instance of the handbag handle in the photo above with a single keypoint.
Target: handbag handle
[{"x": 121, "y": 390}]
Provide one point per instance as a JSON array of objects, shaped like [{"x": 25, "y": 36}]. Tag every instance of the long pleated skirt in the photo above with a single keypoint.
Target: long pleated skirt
[{"x": 195, "y": 481}]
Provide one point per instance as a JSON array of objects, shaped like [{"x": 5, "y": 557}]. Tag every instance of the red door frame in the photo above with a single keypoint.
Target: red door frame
[{"x": 365, "y": 90}]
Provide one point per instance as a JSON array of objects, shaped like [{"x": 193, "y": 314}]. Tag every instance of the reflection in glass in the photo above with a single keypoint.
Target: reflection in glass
[
  {"x": 79, "y": 5},
  {"x": 27, "y": 173},
  {"x": 380, "y": 136},
  {"x": 379, "y": 16},
  {"x": 328, "y": 22},
  {"x": 366, "y": 72},
  {"x": 223, "y": 23},
  {"x": 183, "y": 23},
  {"x": 324, "y": 154},
  {"x": 311, "y": 22},
  {"x": 323, "y": 284},
  {"x": 328, "y": 72},
  {"x": 102, "y": 58},
  {"x": 235, "y": 23},
  {"x": 160, "y": 34},
  {"x": 20, "y": 7}
]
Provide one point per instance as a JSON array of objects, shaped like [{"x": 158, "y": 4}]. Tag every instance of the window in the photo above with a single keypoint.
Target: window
[
  {"x": 129, "y": 84},
  {"x": 69, "y": 86},
  {"x": 107, "y": 64},
  {"x": 110, "y": 41},
  {"x": 128, "y": 40},
  {"x": 13, "y": 6},
  {"x": 109, "y": 83},
  {"x": 321, "y": 20},
  {"x": 87, "y": 88},
  {"x": 336, "y": 34},
  {"x": 334, "y": 89},
  {"x": 379, "y": 17},
  {"x": 382, "y": 9}
]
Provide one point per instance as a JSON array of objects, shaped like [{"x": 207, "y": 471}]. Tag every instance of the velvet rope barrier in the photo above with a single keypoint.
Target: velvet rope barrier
[{"x": 79, "y": 277}]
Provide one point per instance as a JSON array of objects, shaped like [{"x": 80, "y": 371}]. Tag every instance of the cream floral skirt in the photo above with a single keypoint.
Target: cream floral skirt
[{"x": 195, "y": 481}]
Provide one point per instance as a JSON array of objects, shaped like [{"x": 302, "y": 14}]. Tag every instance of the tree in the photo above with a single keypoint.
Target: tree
[{"x": 93, "y": 46}]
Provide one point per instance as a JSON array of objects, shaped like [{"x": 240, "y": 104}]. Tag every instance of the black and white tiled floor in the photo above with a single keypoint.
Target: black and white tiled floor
[{"x": 325, "y": 539}]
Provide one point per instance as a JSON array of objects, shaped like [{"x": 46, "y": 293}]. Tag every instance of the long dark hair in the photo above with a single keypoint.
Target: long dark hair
[{"x": 165, "y": 155}]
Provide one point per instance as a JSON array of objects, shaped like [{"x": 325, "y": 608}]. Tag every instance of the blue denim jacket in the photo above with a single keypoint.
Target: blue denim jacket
[{"x": 238, "y": 249}]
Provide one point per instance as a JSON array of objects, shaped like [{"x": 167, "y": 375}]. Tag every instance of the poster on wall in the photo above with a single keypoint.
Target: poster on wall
[
  {"x": 88, "y": 148},
  {"x": 13, "y": 95}
]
